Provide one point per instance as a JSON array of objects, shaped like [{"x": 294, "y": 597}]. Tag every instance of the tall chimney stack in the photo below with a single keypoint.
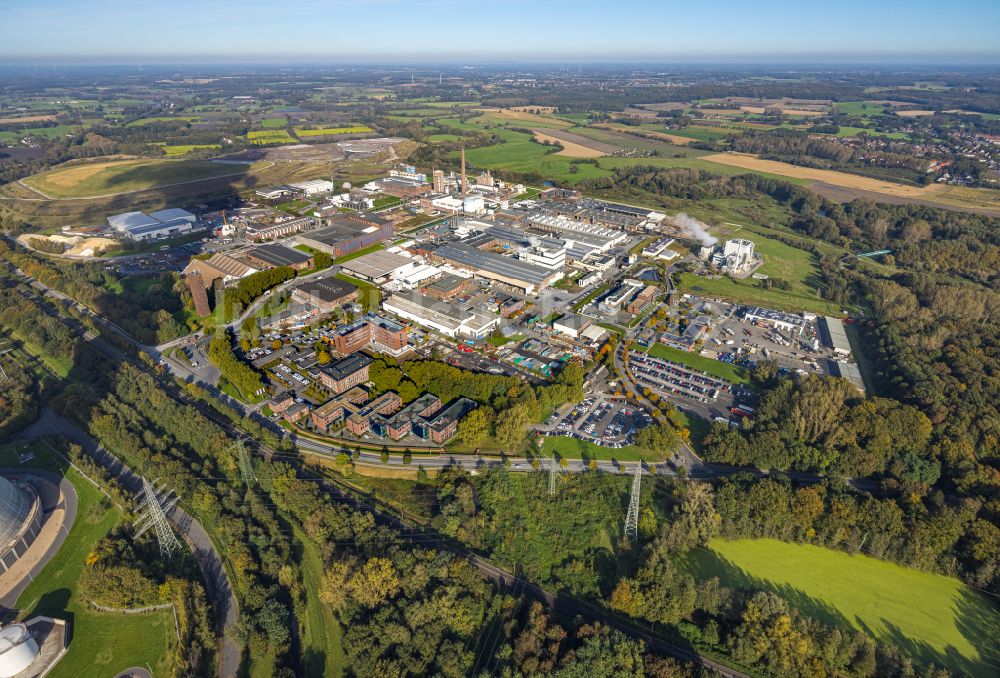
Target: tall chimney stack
[{"x": 463, "y": 172}]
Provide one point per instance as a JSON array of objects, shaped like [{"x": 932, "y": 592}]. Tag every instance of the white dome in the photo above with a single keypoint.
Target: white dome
[
  {"x": 346, "y": 186},
  {"x": 17, "y": 650}
]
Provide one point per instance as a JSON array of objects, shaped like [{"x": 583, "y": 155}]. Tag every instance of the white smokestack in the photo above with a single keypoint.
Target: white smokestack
[{"x": 694, "y": 229}]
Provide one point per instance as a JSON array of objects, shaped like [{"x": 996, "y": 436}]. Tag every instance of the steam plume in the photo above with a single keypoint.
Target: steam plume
[{"x": 694, "y": 229}]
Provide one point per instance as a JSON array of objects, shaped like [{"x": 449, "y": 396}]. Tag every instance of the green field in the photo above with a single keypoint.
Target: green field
[
  {"x": 163, "y": 118},
  {"x": 322, "y": 651},
  {"x": 438, "y": 138},
  {"x": 716, "y": 368},
  {"x": 781, "y": 261},
  {"x": 859, "y": 108},
  {"x": 47, "y": 132},
  {"x": 332, "y": 131},
  {"x": 174, "y": 151},
  {"x": 369, "y": 296},
  {"x": 121, "y": 176},
  {"x": 574, "y": 448},
  {"x": 694, "y": 132},
  {"x": 928, "y": 616},
  {"x": 360, "y": 253},
  {"x": 274, "y": 136},
  {"x": 102, "y": 643},
  {"x": 273, "y": 123}
]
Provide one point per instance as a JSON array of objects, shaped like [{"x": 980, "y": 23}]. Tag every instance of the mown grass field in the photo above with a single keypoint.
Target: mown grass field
[
  {"x": 273, "y": 123},
  {"x": 163, "y": 118},
  {"x": 731, "y": 373},
  {"x": 119, "y": 176},
  {"x": 928, "y": 616},
  {"x": 102, "y": 643}
]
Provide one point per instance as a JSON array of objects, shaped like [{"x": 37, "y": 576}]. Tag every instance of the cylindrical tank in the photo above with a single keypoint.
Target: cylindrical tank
[
  {"x": 15, "y": 506},
  {"x": 17, "y": 650}
]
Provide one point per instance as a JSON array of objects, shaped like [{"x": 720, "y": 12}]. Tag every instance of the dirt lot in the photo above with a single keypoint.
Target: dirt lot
[
  {"x": 79, "y": 246},
  {"x": 574, "y": 145},
  {"x": 521, "y": 115},
  {"x": 914, "y": 114},
  {"x": 785, "y": 111}
]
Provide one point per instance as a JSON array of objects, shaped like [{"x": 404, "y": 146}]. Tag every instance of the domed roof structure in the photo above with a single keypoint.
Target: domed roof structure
[
  {"x": 15, "y": 508},
  {"x": 17, "y": 649}
]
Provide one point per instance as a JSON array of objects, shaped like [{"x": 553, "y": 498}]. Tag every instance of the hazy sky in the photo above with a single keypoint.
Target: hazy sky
[{"x": 590, "y": 30}]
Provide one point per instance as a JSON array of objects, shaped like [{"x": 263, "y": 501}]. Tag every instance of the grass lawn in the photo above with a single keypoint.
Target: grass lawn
[
  {"x": 574, "y": 448},
  {"x": 438, "y": 138},
  {"x": 273, "y": 123},
  {"x": 747, "y": 292},
  {"x": 930, "y": 617},
  {"x": 294, "y": 206},
  {"x": 731, "y": 373},
  {"x": 322, "y": 652},
  {"x": 369, "y": 296},
  {"x": 385, "y": 202},
  {"x": 120, "y": 176},
  {"x": 102, "y": 643}
]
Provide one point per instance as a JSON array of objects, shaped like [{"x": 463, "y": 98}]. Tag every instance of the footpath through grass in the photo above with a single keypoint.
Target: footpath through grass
[
  {"x": 102, "y": 643},
  {"x": 928, "y": 616}
]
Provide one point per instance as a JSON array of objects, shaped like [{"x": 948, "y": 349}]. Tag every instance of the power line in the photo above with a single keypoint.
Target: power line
[{"x": 246, "y": 467}]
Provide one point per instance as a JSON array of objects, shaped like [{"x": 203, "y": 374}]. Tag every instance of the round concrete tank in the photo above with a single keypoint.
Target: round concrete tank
[
  {"x": 15, "y": 507},
  {"x": 17, "y": 650}
]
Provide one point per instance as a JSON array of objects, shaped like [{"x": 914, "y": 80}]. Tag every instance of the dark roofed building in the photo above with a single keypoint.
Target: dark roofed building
[
  {"x": 272, "y": 256},
  {"x": 325, "y": 294},
  {"x": 347, "y": 373},
  {"x": 347, "y": 233}
]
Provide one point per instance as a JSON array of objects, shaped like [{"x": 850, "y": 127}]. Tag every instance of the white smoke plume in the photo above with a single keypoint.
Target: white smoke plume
[{"x": 694, "y": 229}]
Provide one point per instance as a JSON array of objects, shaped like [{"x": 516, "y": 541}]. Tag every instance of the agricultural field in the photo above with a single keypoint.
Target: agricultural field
[
  {"x": 575, "y": 146},
  {"x": 265, "y": 137},
  {"x": 13, "y": 136},
  {"x": 273, "y": 123},
  {"x": 331, "y": 131},
  {"x": 695, "y": 133},
  {"x": 121, "y": 176},
  {"x": 178, "y": 150},
  {"x": 867, "y": 109},
  {"x": 163, "y": 118},
  {"x": 932, "y": 617},
  {"x": 935, "y": 193},
  {"x": 439, "y": 138}
]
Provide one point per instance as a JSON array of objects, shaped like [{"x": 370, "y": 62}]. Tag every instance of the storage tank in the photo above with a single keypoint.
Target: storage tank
[
  {"x": 17, "y": 649},
  {"x": 15, "y": 507}
]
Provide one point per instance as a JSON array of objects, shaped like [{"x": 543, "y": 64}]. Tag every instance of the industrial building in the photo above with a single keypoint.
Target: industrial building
[
  {"x": 448, "y": 287},
  {"x": 218, "y": 267},
  {"x": 278, "y": 229},
  {"x": 140, "y": 227},
  {"x": 272, "y": 256},
  {"x": 848, "y": 371},
  {"x": 776, "y": 319},
  {"x": 447, "y": 319},
  {"x": 834, "y": 335},
  {"x": 403, "y": 187},
  {"x": 325, "y": 294},
  {"x": 520, "y": 275},
  {"x": 571, "y": 325},
  {"x": 378, "y": 267},
  {"x": 313, "y": 186},
  {"x": 347, "y": 233}
]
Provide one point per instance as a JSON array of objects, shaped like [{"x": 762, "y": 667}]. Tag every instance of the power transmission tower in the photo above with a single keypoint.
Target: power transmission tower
[
  {"x": 632, "y": 518},
  {"x": 553, "y": 471},
  {"x": 246, "y": 468},
  {"x": 4, "y": 351},
  {"x": 154, "y": 505}
]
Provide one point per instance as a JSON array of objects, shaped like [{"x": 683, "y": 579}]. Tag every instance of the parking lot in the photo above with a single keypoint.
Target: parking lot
[{"x": 600, "y": 419}]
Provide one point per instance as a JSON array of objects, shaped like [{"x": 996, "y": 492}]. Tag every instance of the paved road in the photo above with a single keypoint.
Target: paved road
[{"x": 197, "y": 538}]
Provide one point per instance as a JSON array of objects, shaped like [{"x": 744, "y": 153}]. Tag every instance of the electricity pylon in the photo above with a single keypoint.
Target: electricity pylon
[
  {"x": 632, "y": 517},
  {"x": 246, "y": 468},
  {"x": 4, "y": 350},
  {"x": 154, "y": 504},
  {"x": 553, "y": 471}
]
